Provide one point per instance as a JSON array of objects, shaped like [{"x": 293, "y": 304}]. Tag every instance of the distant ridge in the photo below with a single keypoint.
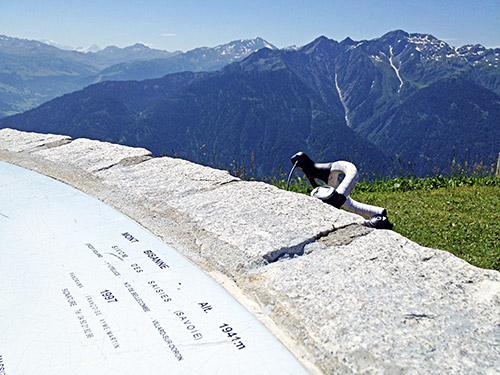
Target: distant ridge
[
  {"x": 34, "y": 72},
  {"x": 196, "y": 60}
]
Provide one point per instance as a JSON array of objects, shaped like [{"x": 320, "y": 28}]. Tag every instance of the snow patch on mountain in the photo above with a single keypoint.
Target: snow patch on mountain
[
  {"x": 343, "y": 101},
  {"x": 391, "y": 61},
  {"x": 93, "y": 48}
]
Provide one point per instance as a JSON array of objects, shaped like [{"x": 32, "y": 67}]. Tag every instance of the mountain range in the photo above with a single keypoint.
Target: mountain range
[
  {"x": 32, "y": 72},
  {"x": 401, "y": 103}
]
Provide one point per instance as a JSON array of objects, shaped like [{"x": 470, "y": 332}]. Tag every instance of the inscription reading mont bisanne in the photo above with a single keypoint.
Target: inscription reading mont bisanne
[{"x": 155, "y": 258}]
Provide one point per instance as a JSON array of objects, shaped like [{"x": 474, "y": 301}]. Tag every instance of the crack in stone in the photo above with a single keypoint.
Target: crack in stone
[
  {"x": 297, "y": 249},
  {"x": 339, "y": 236},
  {"x": 126, "y": 162},
  {"x": 345, "y": 235},
  {"x": 57, "y": 143},
  {"x": 220, "y": 183}
]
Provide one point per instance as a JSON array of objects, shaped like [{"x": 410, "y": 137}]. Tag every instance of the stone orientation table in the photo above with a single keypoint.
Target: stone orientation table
[{"x": 86, "y": 290}]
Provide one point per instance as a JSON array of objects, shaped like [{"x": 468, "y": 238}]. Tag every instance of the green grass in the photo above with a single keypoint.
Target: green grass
[{"x": 460, "y": 214}]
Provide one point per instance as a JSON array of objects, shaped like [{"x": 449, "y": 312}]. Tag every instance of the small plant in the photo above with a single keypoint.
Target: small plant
[{"x": 297, "y": 185}]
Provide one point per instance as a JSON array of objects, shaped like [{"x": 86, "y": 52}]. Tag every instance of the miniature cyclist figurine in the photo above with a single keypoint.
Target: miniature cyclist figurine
[{"x": 336, "y": 192}]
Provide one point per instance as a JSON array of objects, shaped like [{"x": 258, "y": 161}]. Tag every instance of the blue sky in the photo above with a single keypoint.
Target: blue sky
[{"x": 186, "y": 24}]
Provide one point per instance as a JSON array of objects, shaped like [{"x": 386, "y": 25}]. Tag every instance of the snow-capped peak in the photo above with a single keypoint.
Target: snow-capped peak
[
  {"x": 238, "y": 49},
  {"x": 92, "y": 48}
]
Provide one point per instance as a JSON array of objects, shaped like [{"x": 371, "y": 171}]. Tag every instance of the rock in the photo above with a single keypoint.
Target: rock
[
  {"x": 94, "y": 156},
  {"x": 383, "y": 304},
  {"x": 17, "y": 141},
  {"x": 343, "y": 297}
]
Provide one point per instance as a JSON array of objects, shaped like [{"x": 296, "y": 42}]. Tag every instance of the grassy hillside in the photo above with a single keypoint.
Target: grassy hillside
[{"x": 460, "y": 215}]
